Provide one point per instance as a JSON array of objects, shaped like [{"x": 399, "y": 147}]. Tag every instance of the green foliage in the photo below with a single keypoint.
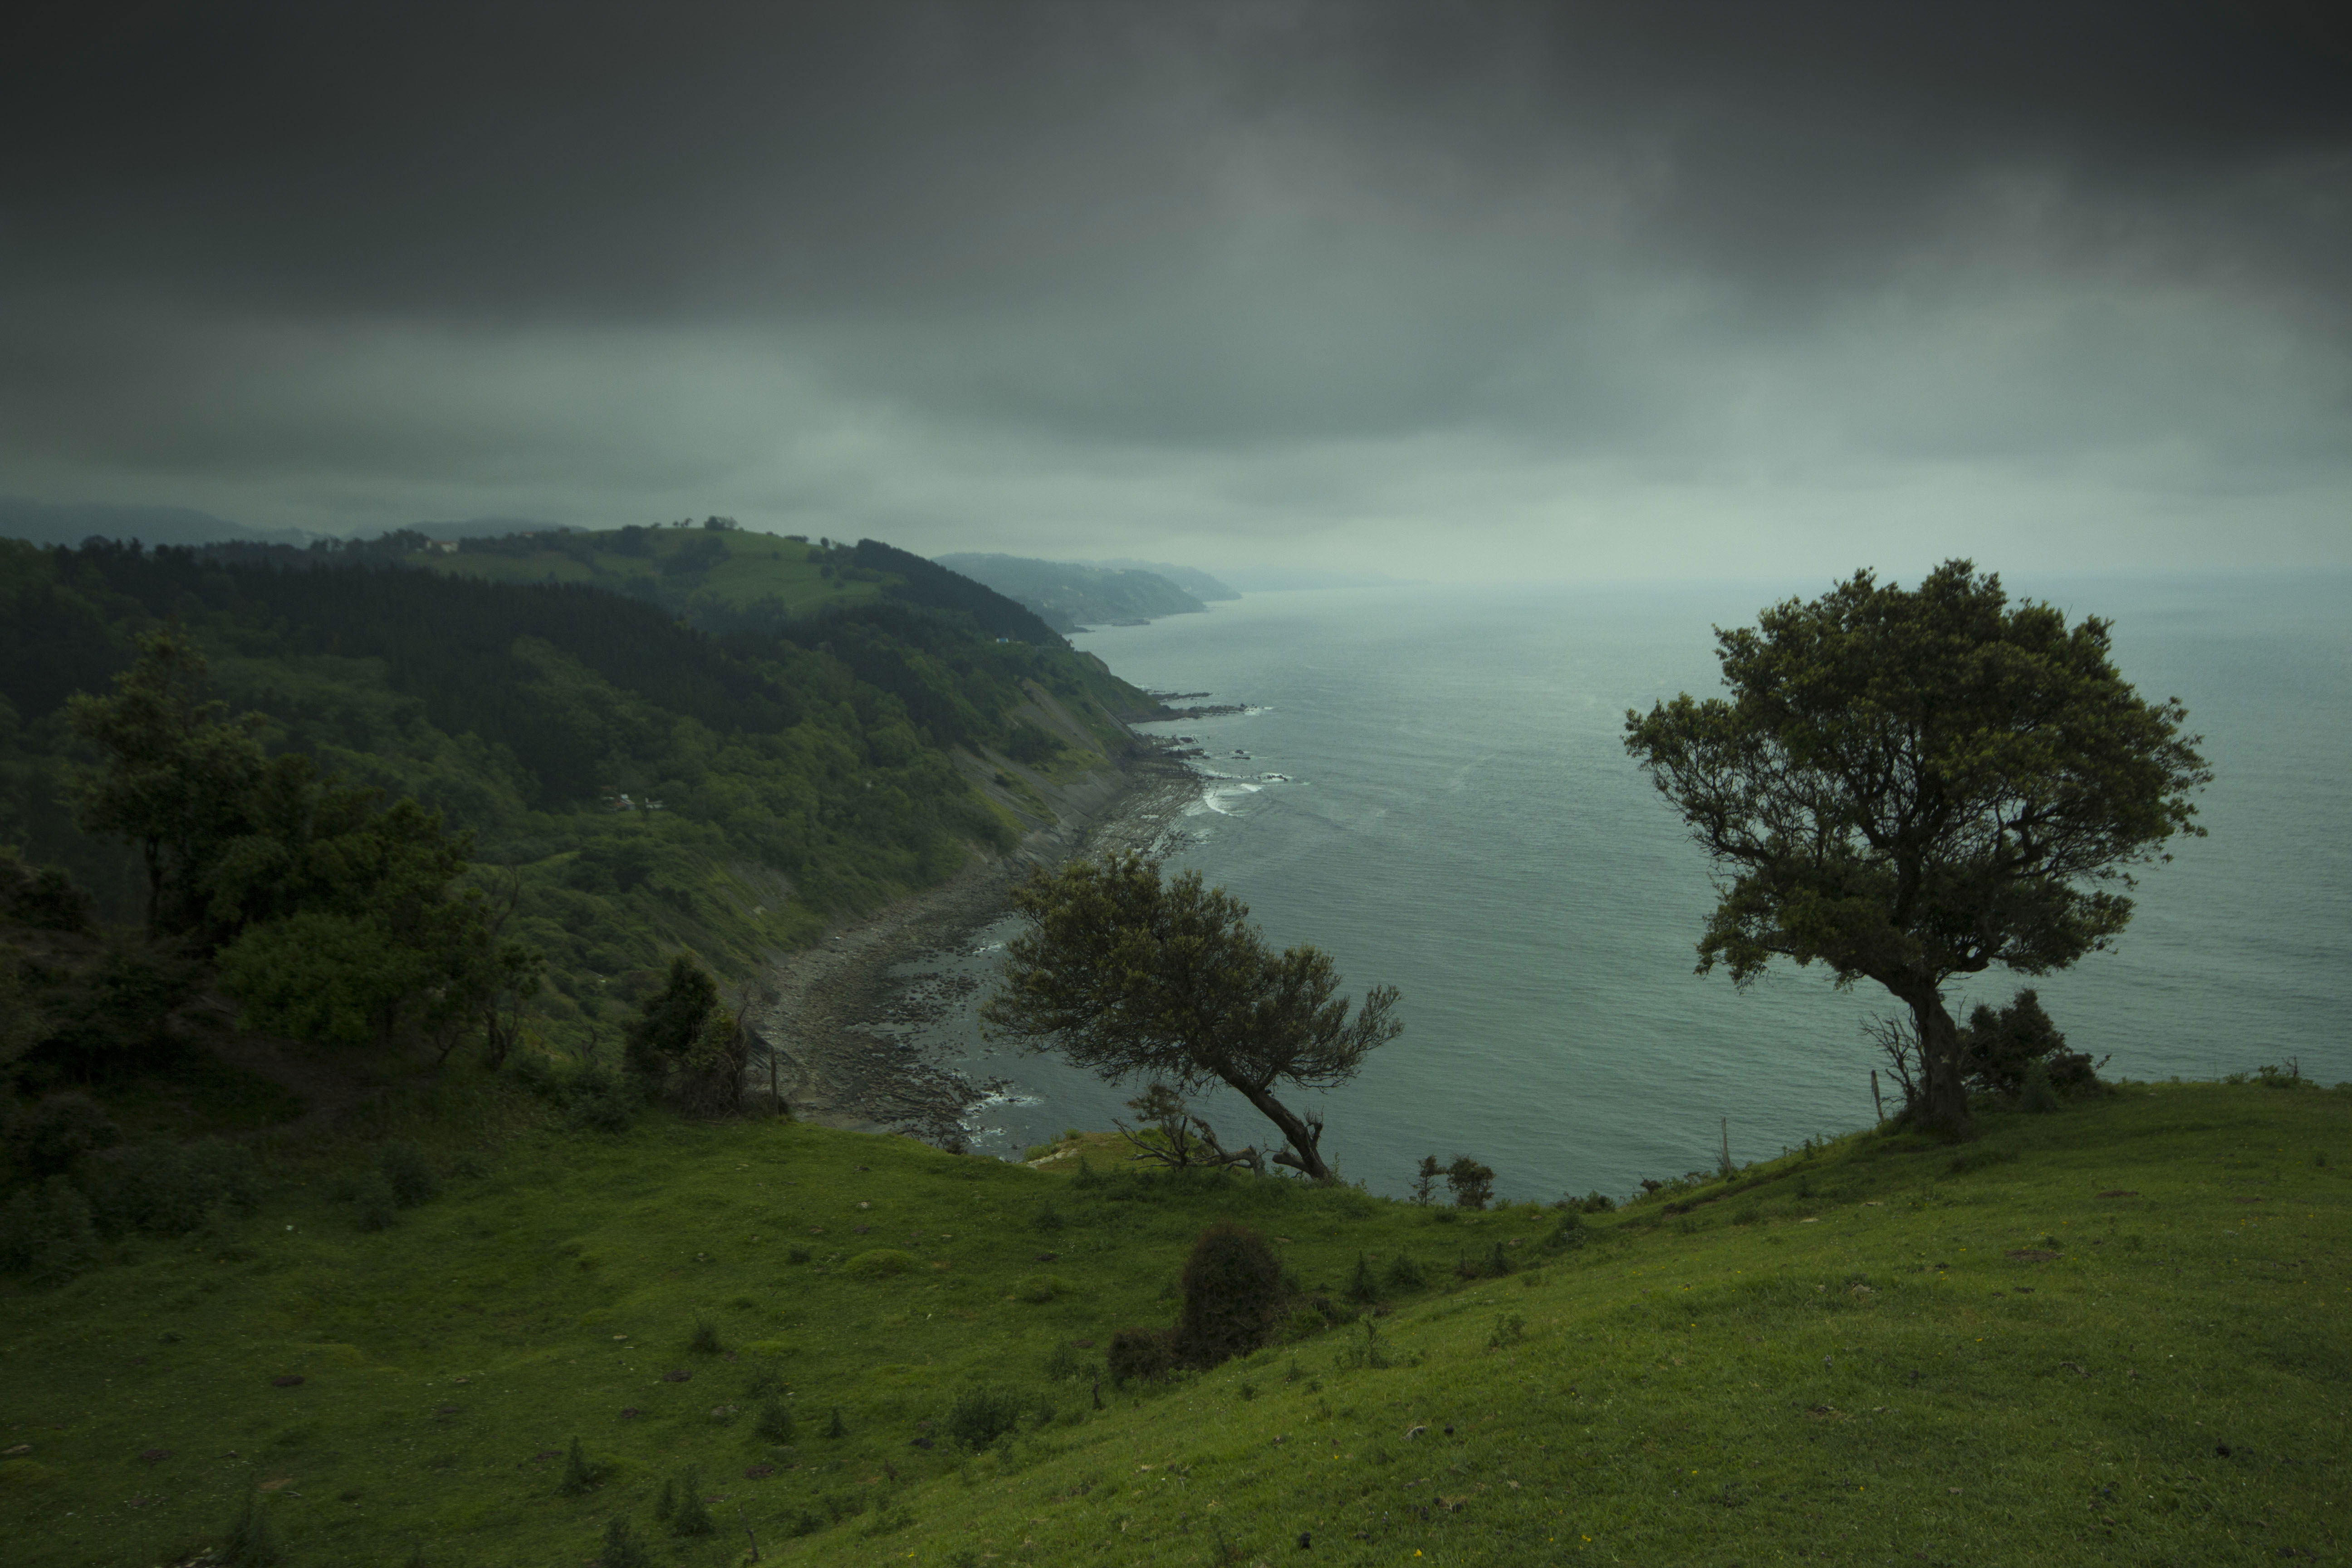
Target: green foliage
[
  {"x": 48, "y": 1231},
  {"x": 774, "y": 1421},
  {"x": 1472, "y": 1183},
  {"x": 1144, "y": 1356},
  {"x": 834, "y": 1427},
  {"x": 116, "y": 1012},
  {"x": 43, "y": 899},
  {"x": 408, "y": 1174},
  {"x": 688, "y": 1517},
  {"x": 1405, "y": 1274},
  {"x": 704, "y": 1340},
  {"x": 2001, "y": 1051},
  {"x": 623, "y": 1549},
  {"x": 1232, "y": 1296},
  {"x": 1425, "y": 1177},
  {"x": 1128, "y": 973},
  {"x": 49, "y": 1137},
  {"x": 647, "y": 786},
  {"x": 579, "y": 1475},
  {"x": 1364, "y": 1285},
  {"x": 252, "y": 1541},
  {"x": 1910, "y": 786},
  {"x": 172, "y": 1189},
  {"x": 982, "y": 1414}
]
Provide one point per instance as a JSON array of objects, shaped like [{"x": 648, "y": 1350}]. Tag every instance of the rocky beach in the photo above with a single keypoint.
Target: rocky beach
[{"x": 830, "y": 1022}]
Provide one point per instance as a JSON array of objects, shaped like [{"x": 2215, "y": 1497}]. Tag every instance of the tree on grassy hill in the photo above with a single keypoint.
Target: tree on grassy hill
[
  {"x": 1128, "y": 973},
  {"x": 174, "y": 776},
  {"x": 686, "y": 1044},
  {"x": 1913, "y": 785}
]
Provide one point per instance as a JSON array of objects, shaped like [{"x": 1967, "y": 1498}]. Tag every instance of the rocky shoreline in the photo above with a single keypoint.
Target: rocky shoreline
[{"x": 819, "y": 1025}]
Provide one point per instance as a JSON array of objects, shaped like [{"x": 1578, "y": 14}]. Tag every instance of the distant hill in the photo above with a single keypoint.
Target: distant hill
[
  {"x": 490, "y": 527},
  {"x": 1192, "y": 580},
  {"x": 1071, "y": 596},
  {"x": 49, "y": 523}
]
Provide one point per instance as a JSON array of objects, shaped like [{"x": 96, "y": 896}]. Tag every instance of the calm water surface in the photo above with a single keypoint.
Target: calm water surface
[{"x": 1457, "y": 817}]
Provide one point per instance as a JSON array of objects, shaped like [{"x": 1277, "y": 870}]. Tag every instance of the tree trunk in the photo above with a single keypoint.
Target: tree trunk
[
  {"x": 1943, "y": 1098},
  {"x": 1303, "y": 1154}
]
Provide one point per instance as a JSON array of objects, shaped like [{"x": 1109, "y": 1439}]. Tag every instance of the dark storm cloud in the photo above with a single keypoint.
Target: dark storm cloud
[{"x": 1348, "y": 264}]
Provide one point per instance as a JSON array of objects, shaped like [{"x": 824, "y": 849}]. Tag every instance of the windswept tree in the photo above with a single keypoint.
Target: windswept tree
[
  {"x": 1130, "y": 975},
  {"x": 1909, "y": 786}
]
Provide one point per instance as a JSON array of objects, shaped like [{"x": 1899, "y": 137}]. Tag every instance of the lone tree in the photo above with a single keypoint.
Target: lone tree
[
  {"x": 1131, "y": 974},
  {"x": 1909, "y": 786}
]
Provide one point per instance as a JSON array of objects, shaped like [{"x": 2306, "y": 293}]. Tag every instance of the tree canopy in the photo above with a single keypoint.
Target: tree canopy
[
  {"x": 1128, "y": 973},
  {"x": 1911, "y": 785}
]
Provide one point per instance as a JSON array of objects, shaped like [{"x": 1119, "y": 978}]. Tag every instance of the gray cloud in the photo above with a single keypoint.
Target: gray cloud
[{"x": 1577, "y": 284}]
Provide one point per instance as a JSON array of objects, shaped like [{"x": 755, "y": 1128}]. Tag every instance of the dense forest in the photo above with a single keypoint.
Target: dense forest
[{"x": 688, "y": 738}]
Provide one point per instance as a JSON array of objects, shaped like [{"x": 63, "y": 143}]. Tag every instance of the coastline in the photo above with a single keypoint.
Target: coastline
[{"x": 821, "y": 1012}]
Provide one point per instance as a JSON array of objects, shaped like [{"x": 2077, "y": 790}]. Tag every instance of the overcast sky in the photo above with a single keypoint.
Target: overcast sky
[{"x": 1445, "y": 290}]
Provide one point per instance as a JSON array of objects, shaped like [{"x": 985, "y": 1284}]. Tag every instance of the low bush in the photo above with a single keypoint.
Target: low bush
[
  {"x": 1405, "y": 1274},
  {"x": 774, "y": 1422},
  {"x": 1140, "y": 1355},
  {"x": 47, "y": 1233},
  {"x": 47, "y": 1140},
  {"x": 171, "y": 1188},
  {"x": 881, "y": 1263},
  {"x": 1232, "y": 1294},
  {"x": 409, "y": 1176},
  {"x": 980, "y": 1415}
]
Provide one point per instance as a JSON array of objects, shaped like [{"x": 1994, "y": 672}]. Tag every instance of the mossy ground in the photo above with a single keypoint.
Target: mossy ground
[{"x": 2117, "y": 1334}]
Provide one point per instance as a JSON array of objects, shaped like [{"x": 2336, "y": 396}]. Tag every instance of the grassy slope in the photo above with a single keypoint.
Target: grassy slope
[
  {"x": 756, "y": 566},
  {"x": 1842, "y": 1361}
]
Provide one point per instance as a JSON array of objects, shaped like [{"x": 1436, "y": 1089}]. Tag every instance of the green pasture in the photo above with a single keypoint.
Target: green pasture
[{"x": 2114, "y": 1334}]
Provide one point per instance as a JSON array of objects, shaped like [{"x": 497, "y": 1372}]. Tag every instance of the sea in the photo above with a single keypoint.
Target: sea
[{"x": 1429, "y": 784}]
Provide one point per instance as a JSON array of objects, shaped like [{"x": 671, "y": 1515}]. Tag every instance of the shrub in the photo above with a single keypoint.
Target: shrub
[
  {"x": 704, "y": 1341},
  {"x": 1361, "y": 1285},
  {"x": 376, "y": 1205},
  {"x": 1061, "y": 1363},
  {"x": 409, "y": 1175},
  {"x": 1085, "y": 1175},
  {"x": 1999, "y": 1048},
  {"x": 834, "y": 1427},
  {"x": 623, "y": 1549},
  {"x": 980, "y": 1415},
  {"x": 1144, "y": 1356},
  {"x": 47, "y": 1140},
  {"x": 579, "y": 1475},
  {"x": 1233, "y": 1291},
  {"x": 1568, "y": 1235},
  {"x": 2037, "y": 1093},
  {"x": 774, "y": 1422},
  {"x": 171, "y": 1188},
  {"x": 1039, "y": 1289},
  {"x": 1405, "y": 1274},
  {"x": 688, "y": 1516},
  {"x": 1425, "y": 1178},
  {"x": 880, "y": 1263},
  {"x": 599, "y": 1102},
  {"x": 1598, "y": 1203},
  {"x": 1047, "y": 1218},
  {"x": 48, "y": 1231},
  {"x": 1472, "y": 1183},
  {"x": 252, "y": 1539}
]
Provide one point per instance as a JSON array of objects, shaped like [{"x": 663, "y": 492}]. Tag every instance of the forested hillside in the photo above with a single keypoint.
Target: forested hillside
[{"x": 750, "y": 743}]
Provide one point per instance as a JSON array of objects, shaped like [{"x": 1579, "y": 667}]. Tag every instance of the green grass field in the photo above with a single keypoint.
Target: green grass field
[{"x": 2116, "y": 1333}]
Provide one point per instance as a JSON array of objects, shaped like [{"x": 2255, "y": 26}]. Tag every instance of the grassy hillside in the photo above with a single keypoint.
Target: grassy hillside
[{"x": 2115, "y": 1333}]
